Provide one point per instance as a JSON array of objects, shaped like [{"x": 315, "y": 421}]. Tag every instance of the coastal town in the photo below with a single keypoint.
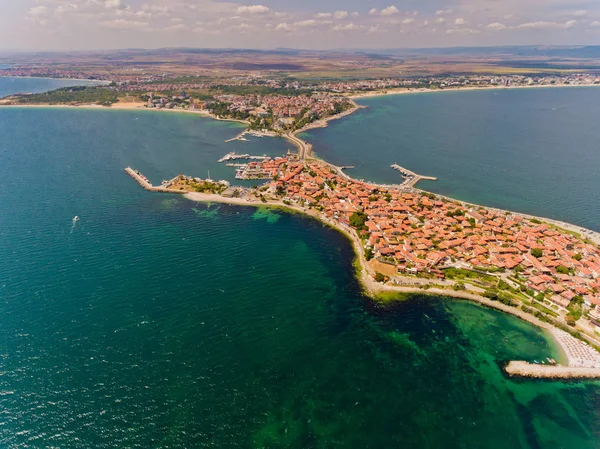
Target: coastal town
[
  {"x": 416, "y": 233},
  {"x": 262, "y": 112},
  {"x": 409, "y": 237},
  {"x": 407, "y": 240}
]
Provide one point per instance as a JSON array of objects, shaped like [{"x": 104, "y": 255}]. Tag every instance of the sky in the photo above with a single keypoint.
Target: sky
[{"x": 311, "y": 24}]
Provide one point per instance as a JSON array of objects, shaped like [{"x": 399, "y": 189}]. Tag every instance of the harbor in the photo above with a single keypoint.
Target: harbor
[
  {"x": 411, "y": 178},
  {"x": 234, "y": 156},
  {"x": 264, "y": 169}
]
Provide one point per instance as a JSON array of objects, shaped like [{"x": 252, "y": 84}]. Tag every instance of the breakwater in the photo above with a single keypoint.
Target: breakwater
[
  {"x": 146, "y": 184},
  {"x": 410, "y": 177},
  {"x": 532, "y": 370}
]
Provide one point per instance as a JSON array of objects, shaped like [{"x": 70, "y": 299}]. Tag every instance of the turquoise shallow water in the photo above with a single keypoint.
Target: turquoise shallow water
[
  {"x": 527, "y": 150},
  {"x": 158, "y": 322},
  {"x": 14, "y": 85}
]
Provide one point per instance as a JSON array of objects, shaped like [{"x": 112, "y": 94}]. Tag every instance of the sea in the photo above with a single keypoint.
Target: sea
[
  {"x": 155, "y": 321},
  {"x": 13, "y": 85},
  {"x": 528, "y": 150}
]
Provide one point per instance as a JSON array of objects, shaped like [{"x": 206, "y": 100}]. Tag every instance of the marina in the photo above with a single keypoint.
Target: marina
[{"x": 234, "y": 156}]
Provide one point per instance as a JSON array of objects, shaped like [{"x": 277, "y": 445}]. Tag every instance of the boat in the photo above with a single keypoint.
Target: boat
[{"x": 75, "y": 219}]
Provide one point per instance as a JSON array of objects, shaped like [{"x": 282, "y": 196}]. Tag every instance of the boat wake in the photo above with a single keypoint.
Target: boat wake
[{"x": 75, "y": 220}]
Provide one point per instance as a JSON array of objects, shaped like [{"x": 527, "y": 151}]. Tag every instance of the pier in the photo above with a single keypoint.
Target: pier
[
  {"x": 143, "y": 181},
  {"x": 536, "y": 371},
  {"x": 410, "y": 177},
  {"x": 234, "y": 156},
  {"x": 240, "y": 136},
  {"x": 582, "y": 361}
]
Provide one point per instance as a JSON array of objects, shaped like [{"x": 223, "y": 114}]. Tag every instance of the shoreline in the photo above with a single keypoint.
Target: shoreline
[
  {"x": 406, "y": 91},
  {"x": 99, "y": 82},
  {"x": 363, "y": 271},
  {"x": 378, "y": 292}
]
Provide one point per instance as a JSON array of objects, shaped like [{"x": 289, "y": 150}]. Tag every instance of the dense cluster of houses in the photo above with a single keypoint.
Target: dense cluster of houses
[
  {"x": 420, "y": 232},
  {"x": 280, "y": 106}
]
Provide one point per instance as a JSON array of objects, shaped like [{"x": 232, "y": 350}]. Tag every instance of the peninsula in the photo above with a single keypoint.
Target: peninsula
[{"x": 411, "y": 241}]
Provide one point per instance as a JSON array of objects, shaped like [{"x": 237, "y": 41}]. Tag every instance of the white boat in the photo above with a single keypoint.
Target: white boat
[{"x": 75, "y": 218}]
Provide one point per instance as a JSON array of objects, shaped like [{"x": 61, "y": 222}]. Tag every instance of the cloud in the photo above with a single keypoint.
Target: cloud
[
  {"x": 156, "y": 9},
  {"x": 460, "y": 21},
  {"x": 440, "y": 20},
  {"x": 373, "y": 12},
  {"x": 595, "y": 23},
  {"x": 496, "y": 26},
  {"x": 442, "y": 12},
  {"x": 124, "y": 24},
  {"x": 539, "y": 24},
  {"x": 176, "y": 27},
  {"x": 306, "y": 23},
  {"x": 389, "y": 11},
  {"x": 283, "y": 27},
  {"x": 408, "y": 21},
  {"x": 462, "y": 31},
  {"x": 253, "y": 9},
  {"x": 114, "y": 4},
  {"x": 37, "y": 11},
  {"x": 340, "y": 14},
  {"x": 580, "y": 13},
  {"x": 348, "y": 27},
  {"x": 323, "y": 15},
  {"x": 547, "y": 25}
]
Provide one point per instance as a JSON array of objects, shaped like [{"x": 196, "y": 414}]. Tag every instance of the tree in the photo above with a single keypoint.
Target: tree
[
  {"x": 369, "y": 253},
  {"x": 358, "y": 220},
  {"x": 562, "y": 269},
  {"x": 577, "y": 257},
  {"x": 537, "y": 252},
  {"x": 491, "y": 293},
  {"x": 503, "y": 285},
  {"x": 379, "y": 277},
  {"x": 577, "y": 299}
]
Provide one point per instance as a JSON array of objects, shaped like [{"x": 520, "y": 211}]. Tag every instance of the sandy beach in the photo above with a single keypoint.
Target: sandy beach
[{"x": 404, "y": 91}]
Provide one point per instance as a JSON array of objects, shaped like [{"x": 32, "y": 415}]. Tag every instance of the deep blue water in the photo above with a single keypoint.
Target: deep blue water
[
  {"x": 528, "y": 150},
  {"x": 158, "y": 322}
]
